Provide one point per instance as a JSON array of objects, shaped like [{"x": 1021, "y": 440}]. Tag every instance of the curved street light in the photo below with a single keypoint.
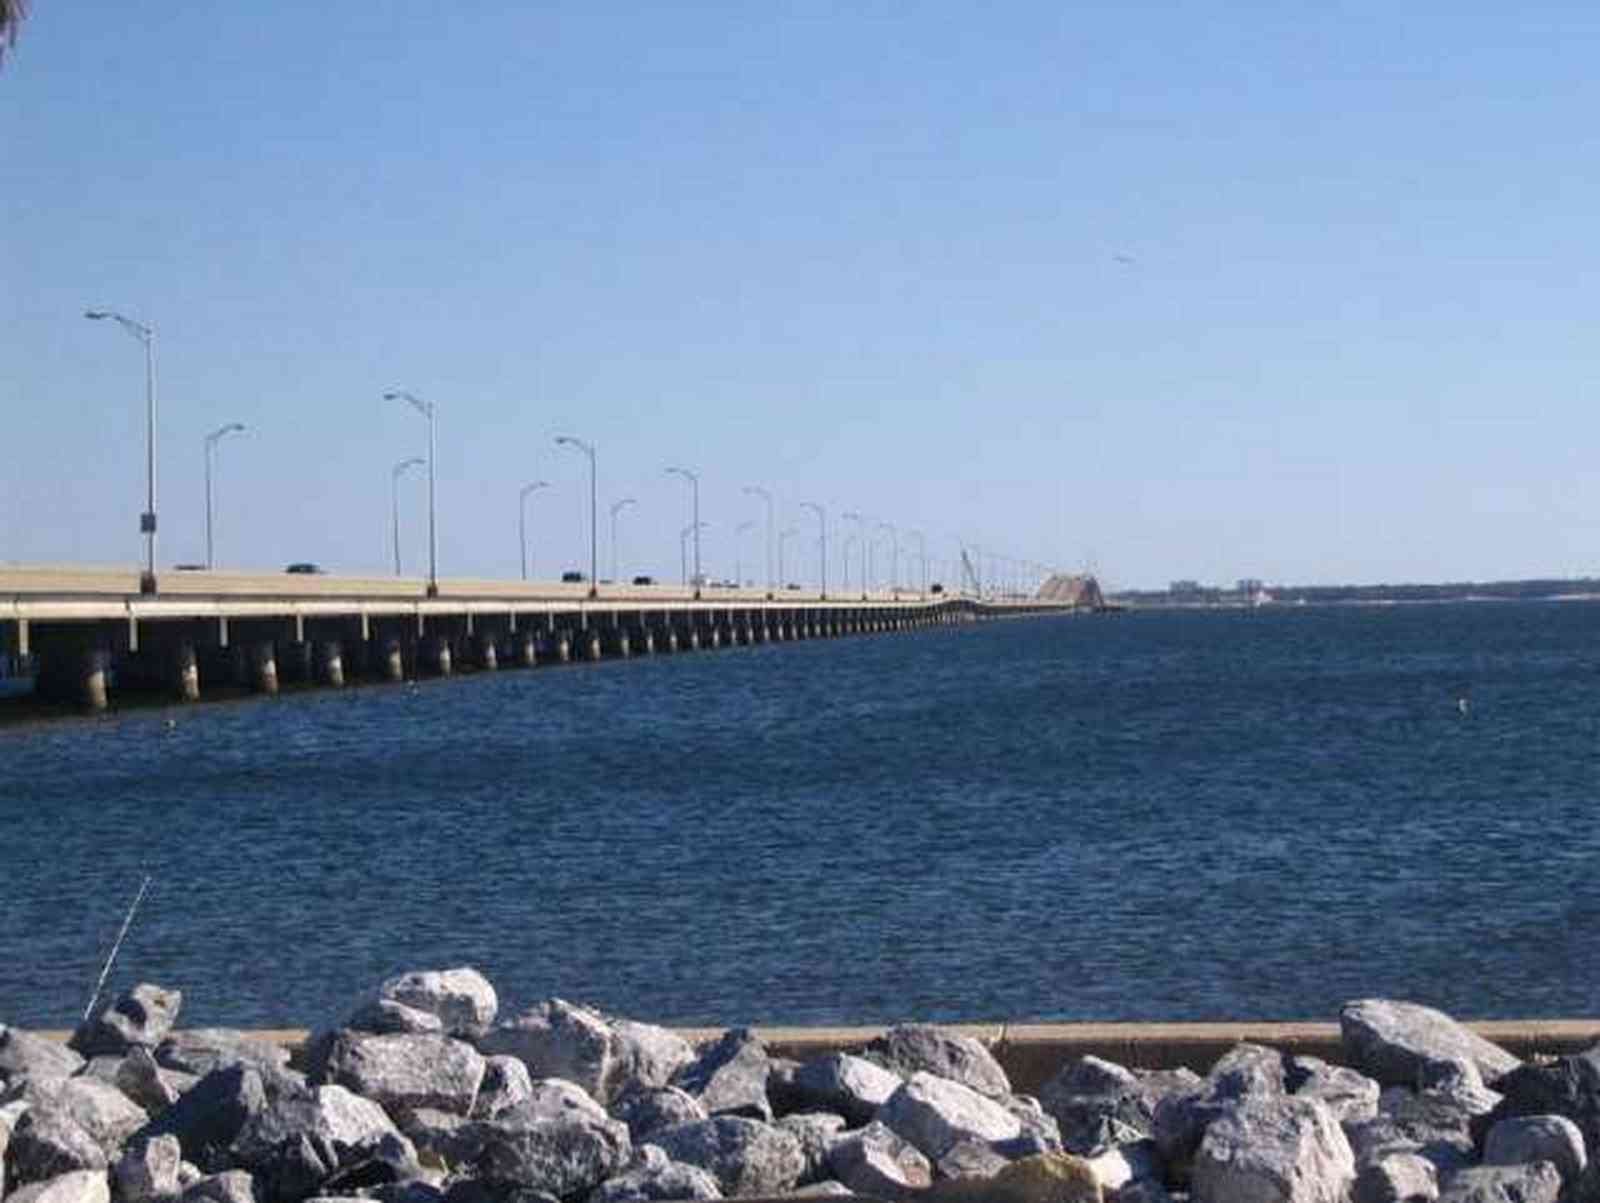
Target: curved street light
[
  {"x": 566, "y": 440},
  {"x": 683, "y": 548},
  {"x": 783, "y": 537},
  {"x": 922, "y": 551},
  {"x": 866, "y": 551},
  {"x": 822, "y": 521},
  {"x": 738, "y": 550},
  {"x": 845, "y": 560},
  {"x": 522, "y": 518},
  {"x": 894, "y": 568},
  {"x": 212, "y": 440},
  {"x": 758, "y": 491},
  {"x": 616, "y": 508},
  {"x": 395, "y": 474},
  {"x": 147, "y": 520},
  {"x": 694, "y": 483},
  {"x": 426, "y": 409}
]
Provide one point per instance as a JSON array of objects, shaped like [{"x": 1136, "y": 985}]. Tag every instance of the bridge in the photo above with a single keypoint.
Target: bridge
[{"x": 84, "y": 634}]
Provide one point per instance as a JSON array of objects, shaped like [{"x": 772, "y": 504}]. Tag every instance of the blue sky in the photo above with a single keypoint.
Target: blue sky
[{"x": 1182, "y": 290}]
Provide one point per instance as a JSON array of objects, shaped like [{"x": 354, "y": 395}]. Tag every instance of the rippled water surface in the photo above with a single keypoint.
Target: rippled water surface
[{"x": 1147, "y": 815}]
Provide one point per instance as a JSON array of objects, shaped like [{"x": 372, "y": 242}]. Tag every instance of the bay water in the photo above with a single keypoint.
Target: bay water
[{"x": 1146, "y": 815}]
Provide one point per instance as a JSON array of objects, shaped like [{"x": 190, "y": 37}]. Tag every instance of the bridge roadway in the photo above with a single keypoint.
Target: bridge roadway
[{"x": 83, "y": 632}]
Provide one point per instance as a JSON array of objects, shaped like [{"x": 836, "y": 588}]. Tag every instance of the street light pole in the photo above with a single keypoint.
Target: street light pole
[
  {"x": 683, "y": 548},
  {"x": 922, "y": 552},
  {"x": 784, "y": 535},
  {"x": 822, "y": 521},
  {"x": 147, "y": 520},
  {"x": 567, "y": 440},
  {"x": 616, "y": 508},
  {"x": 866, "y": 545},
  {"x": 738, "y": 551},
  {"x": 522, "y": 518},
  {"x": 212, "y": 440},
  {"x": 426, "y": 409},
  {"x": 849, "y": 539},
  {"x": 694, "y": 482},
  {"x": 894, "y": 565},
  {"x": 758, "y": 491},
  {"x": 395, "y": 474}
]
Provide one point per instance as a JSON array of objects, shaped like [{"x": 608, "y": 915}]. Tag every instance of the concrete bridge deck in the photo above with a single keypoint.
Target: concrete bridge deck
[{"x": 79, "y": 631}]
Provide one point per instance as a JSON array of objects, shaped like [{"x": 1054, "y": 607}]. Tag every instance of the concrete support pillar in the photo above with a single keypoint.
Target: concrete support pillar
[
  {"x": 526, "y": 649},
  {"x": 646, "y": 640},
  {"x": 563, "y": 647},
  {"x": 621, "y": 645},
  {"x": 591, "y": 645},
  {"x": 714, "y": 636},
  {"x": 330, "y": 662},
  {"x": 75, "y": 677},
  {"x": 263, "y": 667},
  {"x": 390, "y": 661},
  {"x": 434, "y": 655},
  {"x": 185, "y": 673},
  {"x": 694, "y": 638},
  {"x": 486, "y": 653}
]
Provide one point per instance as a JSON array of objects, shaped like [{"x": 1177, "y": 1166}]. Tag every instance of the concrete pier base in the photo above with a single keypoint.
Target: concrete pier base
[
  {"x": 671, "y": 640},
  {"x": 485, "y": 653},
  {"x": 526, "y": 649},
  {"x": 714, "y": 637},
  {"x": 434, "y": 656},
  {"x": 646, "y": 642},
  {"x": 591, "y": 646},
  {"x": 621, "y": 644},
  {"x": 389, "y": 660},
  {"x": 330, "y": 663},
  {"x": 563, "y": 648},
  {"x": 75, "y": 678},
  {"x": 693, "y": 641},
  {"x": 264, "y": 667}
]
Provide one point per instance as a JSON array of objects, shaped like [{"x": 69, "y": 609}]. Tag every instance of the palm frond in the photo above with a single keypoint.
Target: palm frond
[{"x": 11, "y": 14}]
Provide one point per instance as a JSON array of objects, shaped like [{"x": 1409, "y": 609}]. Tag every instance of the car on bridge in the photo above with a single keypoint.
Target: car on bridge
[{"x": 305, "y": 568}]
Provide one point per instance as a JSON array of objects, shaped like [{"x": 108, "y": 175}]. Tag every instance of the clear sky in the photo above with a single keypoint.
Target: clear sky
[{"x": 1300, "y": 292}]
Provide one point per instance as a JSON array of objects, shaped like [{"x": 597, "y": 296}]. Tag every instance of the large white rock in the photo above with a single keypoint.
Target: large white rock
[
  {"x": 746, "y": 1156},
  {"x": 935, "y": 1113},
  {"x": 1284, "y": 1150},
  {"x": 1406, "y": 1044},
  {"x": 78, "y": 1186},
  {"x": 1536, "y": 1183},
  {"x": 148, "y": 1169},
  {"x": 842, "y": 1082},
  {"x": 1396, "y": 1178},
  {"x": 556, "y": 1039},
  {"x": 1525, "y": 1138},
  {"x": 463, "y": 999},
  {"x": 102, "y": 1111},
  {"x": 405, "y": 1071}
]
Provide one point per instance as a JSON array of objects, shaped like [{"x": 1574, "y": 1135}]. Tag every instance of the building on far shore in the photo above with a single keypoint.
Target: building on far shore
[{"x": 1082, "y": 591}]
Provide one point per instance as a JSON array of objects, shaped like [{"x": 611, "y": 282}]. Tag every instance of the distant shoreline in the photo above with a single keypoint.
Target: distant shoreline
[{"x": 1188, "y": 596}]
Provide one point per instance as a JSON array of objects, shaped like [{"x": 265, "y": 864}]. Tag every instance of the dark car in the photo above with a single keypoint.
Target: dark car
[
  {"x": 304, "y": 569},
  {"x": 644, "y": 580},
  {"x": 189, "y": 568},
  {"x": 936, "y": 587},
  {"x": 572, "y": 577}
]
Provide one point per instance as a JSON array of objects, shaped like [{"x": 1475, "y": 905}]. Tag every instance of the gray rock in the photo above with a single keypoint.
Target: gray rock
[
  {"x": 102, "y": 1111},
  {"x": 825, "y": 1189},
  {"x": 562, "y": 1157},
  {"x": 209, "y": 1117},
  {"x": 230, "y": 1186},
  {"x": 746, "y": 1156},
  {"x": 647, "y": 1055},
  {"x": 922, "y": 1048},
  {"x": 935, "y": 1113},
  {"x": 148, "y": 1170},
  {"x": 1246, "y": 1073},
  {"x": 1524, "y": 1138},
  {"x": 330, "y": 1118},
  {"x": 1351, "y": 1096},
  {"x": 188, "y": 1174},
  {"x": 385, "y": 1017},
  {"x": 874, "y": 1161},
  {"x": 405, "y": 1071},
  {"x": 1040, "y": 1132},
  {"x": 75, "y": 1186},
  {"x": 141, "y": 1018},
  {"x": 147, "y": 1084},
  {"x": 1141, "y": 1190},
  {"x": 443, "y": 1141},
  {"x": 556, "y": 1039},
  {"x": 22, "y": 1054},
  {"x": 841, "y": 1082},
  {"x": 1536, "y": 1183},
  {"x": 506, "y": 1082},
  {"x": 1397, "y": 1178},
  {"x": 1567, "y": 1086},
  {"x": 1283, "y": 1150},
  {"x": 553, "y": 1098},
  {"x": 729, "y": 1076},
  {"x": 198, "y": 1051},
  {"x": 651, "y": 1174},
  {"x": 649, "y": 1110},
  {"x": 1097, "y": 1104},
  {"x": 5, "y": 1143},
  {"x": 46, "y": 1143},
  {"x": 1404, "y": 1044},
  {"x": 970, "y": 1159},
  {"x": 463, "y": 999},
  {"x": 816, "y": 1131}
]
